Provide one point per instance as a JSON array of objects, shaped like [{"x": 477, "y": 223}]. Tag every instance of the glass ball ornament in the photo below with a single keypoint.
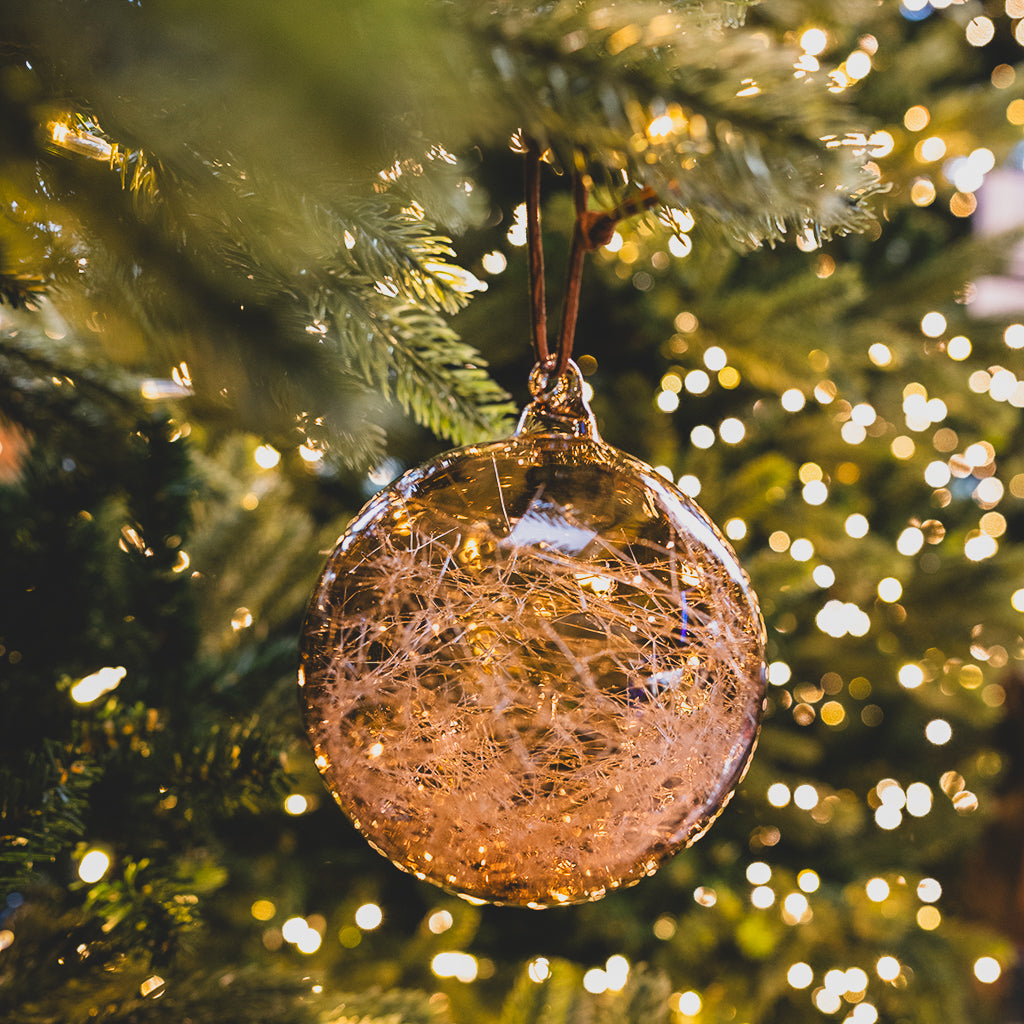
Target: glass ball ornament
[{"x": 532, "y": 670}]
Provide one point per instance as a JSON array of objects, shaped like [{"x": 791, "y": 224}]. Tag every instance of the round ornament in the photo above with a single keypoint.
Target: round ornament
[{"x": 532, "y": 670}]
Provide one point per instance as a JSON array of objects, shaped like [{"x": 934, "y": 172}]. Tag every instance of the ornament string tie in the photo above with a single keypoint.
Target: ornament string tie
[{"x": 592, "y": 230}]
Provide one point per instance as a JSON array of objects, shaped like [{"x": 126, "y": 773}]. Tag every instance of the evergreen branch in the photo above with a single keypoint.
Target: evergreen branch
[
  {"x": 275, "y": 247},
  {"x": 416, "y": 357},
  {"x": 738, "y": 137},
  {"x": 43, "y": 802},
  {"x": 20, "y": 289}
]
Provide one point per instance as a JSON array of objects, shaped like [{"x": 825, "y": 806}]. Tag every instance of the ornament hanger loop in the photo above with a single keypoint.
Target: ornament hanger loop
[{"x": 591, "y": 231}]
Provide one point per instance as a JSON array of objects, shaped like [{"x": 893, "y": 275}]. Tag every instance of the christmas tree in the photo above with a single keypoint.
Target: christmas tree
[{"x": 257, "y": 260}]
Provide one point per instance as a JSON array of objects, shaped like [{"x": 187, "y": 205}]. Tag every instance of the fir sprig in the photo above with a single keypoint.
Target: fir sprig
[{"x": 742, "y": 138}]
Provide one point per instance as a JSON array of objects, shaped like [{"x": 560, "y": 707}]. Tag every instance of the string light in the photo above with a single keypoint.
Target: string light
[
  {"x": 800, "y": 975},
  {"x": 689, "y": 1004},
  {"x": 93, "y": 866},
  {"x": 888, "y": 968},
  {"x": 987, "y": 969},
  {"x": 369, "y": 916},
  {"x": 95, "y": 685}
]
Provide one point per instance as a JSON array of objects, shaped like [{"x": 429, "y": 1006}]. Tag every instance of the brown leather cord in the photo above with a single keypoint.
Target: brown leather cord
[
  {"x": 535, "y": 256},
  {"x": 591, "y": 231}
]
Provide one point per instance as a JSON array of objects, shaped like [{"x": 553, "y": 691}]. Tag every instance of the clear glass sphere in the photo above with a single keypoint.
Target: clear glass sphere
[{"x": 532, "y": 670}]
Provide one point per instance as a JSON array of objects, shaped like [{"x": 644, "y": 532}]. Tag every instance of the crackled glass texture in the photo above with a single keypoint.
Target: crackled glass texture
[{"x": 532, "y": 670}]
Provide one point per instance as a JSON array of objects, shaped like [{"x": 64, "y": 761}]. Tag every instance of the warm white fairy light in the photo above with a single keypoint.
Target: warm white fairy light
[
  {"x": 890, "y": 589},
  {"x": 856, "y": 979},
  {"x": 689, "y": 484},
  {"x": 910, "y": 676},
  {"x": 98, "y": 683},
  {"x": 864, "y": 414},
  {"x": 778, "y": 794},
  {"x": 929, "y": 890},
  {"x": 800, "y": 975},
  {"x": 369, "y": 916},
  {"x": 823, "y": 576},
  {"x": 813, "y": 41},
  {"x": 440, "y": 921},
  {"x": 877, "y": 890},
  {"x": 732, "y": 430},
  {"x": 616, "y": 969},
  {"x": 715, "y": 358},
  {"x": 937, "y": 474},
  {"x": 759, "y": 873},
  {"x": 938, "y": 731},
  {"x": 680, "y": 246},
  {"x": 296, "y": 804},
  {"x": 793, "y": 400},
  {"x": 517, "y": 233},
  {"x": 979, "y": 381},
  {"x": 858, "y": 64},
  {"x": 805, "y": 796},
  {"x": 887, "y": 968},
  {"x": 779, "y": 673},
  {"x": 494, "y": 262},
  {"x": 879, "y": 354},
  {"x": 922, "y": 192},
  {"x": 910, "y": 541},
  {"x": 801, "y": 550},
  {"x": 958, "y": 348},
  {"x": 902, "y": 447},
  {"x": 853, "y": 433},
  {"x": 930, "y": 149},
  {"x": 888, "y": 817},
  {"x": 827, "y": 1001},
  {"x": 697, "y": 382},
  {"x": 863, "y": 1013},
  {"x": 839, "y": 618},
  {"x": 735, "y": 529},
  {"x": 294, "y": 928},
  {"x": 702, "y": 436},
  {"x": 815, "y": 492},
  {"x": 979, "y": 546},
  {"x": 667, "y": 401},
  {"x": 795, "y": 908},
  {"x": 919, "y": 799},
  {"x": 93, "y": 866},
  {"x": 808, "y": 880},
  {"x": 266, "y": 456},
  {"x": 704, "y": 896},
  {"x": 987, "y": 969},
  {"x": 453, "y": 964},
  {"x": 1002, "y": 385},
  {"x": 1013, "y": 336},
  {"x": 980, "y": 31},
  {"x": 762, "y": 897},
  {"x": 689, "y": 1004},
  {"x": 539, "y": 969},
  {"x": 857, "y": 526}
]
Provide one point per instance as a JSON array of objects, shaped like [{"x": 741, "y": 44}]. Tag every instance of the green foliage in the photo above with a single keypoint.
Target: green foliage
[
  {"x": 43, "y": 809},
  {"x": 555, "y": 994}
]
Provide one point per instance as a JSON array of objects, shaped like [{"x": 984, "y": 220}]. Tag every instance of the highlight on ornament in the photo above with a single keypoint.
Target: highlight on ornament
[{"x": 532, "y": 670}]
